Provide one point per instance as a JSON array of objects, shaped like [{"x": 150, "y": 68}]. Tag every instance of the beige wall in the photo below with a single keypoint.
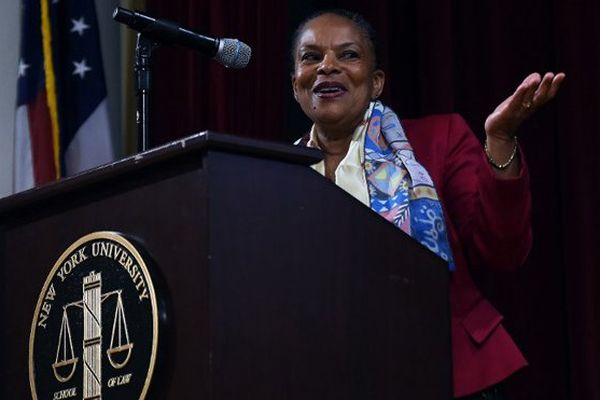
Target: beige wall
[{"x": 9, "y": 48}]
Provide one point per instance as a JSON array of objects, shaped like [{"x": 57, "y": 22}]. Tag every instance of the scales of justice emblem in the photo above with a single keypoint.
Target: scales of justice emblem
[
  {"x": 97, "y": 300},
  {"x": 91, "y": 305}
]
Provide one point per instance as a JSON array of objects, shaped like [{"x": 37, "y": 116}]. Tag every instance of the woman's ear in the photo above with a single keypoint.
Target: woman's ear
[{"x": 378, "y": 83}]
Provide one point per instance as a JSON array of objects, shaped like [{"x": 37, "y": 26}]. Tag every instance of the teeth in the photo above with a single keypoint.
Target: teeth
[{"x": 329, "y": 89}]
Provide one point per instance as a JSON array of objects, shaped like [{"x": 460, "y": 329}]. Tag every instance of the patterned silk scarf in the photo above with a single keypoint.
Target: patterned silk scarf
[{"x": 400, "y": 189}]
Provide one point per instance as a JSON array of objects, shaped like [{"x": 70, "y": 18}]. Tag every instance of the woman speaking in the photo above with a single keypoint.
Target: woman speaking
[{"x": 469, "y": 204}]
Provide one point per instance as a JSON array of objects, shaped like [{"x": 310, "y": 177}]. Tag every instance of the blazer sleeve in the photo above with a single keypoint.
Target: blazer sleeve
[{"x": 490, "y": 214}]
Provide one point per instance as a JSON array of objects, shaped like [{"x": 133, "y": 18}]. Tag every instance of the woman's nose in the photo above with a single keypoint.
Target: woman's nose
[{"x": 329, "y": 64}]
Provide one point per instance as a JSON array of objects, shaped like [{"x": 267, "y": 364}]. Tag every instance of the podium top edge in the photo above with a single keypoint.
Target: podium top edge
[
  {"x": 199, "y": 143},
  {"x": 210, "y": 140}
]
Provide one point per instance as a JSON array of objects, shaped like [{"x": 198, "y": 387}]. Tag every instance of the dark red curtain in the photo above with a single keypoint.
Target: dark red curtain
[
  {"x": 444, "y": 56},
  {"x": 191, "y": 94}
]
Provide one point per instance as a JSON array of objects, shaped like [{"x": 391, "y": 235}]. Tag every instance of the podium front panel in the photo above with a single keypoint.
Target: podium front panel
[{"x": 277, "y": 283}]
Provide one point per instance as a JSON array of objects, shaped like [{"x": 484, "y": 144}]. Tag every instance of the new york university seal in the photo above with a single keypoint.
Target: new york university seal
[{"x": 94, "y": 333}]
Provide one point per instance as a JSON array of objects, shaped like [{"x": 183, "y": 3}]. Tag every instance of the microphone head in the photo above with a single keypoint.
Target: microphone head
[
  {"x": 233, "y": 54},
  {"x": 123, "y": 15}
]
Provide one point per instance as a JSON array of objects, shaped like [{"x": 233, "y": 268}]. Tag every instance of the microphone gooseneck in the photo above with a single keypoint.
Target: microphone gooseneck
[{"x": 232, "y": 53}]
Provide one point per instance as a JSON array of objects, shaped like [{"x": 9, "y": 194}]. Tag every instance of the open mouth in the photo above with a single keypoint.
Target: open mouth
[{"x": 329, "y": 90}]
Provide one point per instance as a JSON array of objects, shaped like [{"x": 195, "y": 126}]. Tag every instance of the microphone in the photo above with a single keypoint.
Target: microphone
[{"x": 230, "y": 52}]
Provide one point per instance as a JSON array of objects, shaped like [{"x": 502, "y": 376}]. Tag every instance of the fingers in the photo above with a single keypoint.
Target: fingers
[
  {"x": 536, "y": 90},
  {"x": 548, "y": 88},
  {"x": 541, "y": 94},
  {"x": 522, "y": 98},
  {"x": 556, "y": 82}
]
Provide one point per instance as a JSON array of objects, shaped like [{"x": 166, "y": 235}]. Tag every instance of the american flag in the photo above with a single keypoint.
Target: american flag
[{"x": 61, "y": 125}]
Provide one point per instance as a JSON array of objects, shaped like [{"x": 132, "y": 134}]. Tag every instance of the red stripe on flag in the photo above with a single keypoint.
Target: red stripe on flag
[{"x": 40, "y": 132}]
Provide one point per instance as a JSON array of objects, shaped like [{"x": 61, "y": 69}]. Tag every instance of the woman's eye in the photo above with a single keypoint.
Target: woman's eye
[
  {"x": 309, "y": 56},
  {"x": 349, "y": 54}
]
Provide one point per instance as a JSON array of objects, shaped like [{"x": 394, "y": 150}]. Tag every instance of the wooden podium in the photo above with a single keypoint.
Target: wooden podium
[{"x": 280, "y": 284}]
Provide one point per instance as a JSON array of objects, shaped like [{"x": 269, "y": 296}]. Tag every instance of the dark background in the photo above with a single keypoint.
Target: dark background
[{"x": 442, "y": 56}]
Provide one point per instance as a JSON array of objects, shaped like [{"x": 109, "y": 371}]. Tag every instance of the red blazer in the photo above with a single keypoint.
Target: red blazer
[{"x": 488, "y": 222}]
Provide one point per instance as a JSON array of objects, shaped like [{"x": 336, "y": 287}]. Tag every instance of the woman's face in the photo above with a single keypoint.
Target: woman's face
[{"x": 334, "y": 76}]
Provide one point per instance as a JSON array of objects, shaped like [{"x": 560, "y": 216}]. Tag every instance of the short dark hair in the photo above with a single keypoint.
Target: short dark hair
[{"x": 363, "y": 25}]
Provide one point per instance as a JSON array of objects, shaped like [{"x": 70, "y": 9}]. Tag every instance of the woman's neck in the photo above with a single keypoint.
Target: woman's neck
[
  {"x": 334, "y": 146},
  {"x": 333, "y": 141}
]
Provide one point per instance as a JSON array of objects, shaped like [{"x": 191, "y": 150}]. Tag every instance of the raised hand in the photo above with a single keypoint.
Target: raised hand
[
  {"x": 502, "y": 124},
  {"x": 531, "y": 94}
]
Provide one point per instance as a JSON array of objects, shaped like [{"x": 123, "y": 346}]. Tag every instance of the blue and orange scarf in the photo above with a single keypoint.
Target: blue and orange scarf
[{"x": 400, "y": 189}]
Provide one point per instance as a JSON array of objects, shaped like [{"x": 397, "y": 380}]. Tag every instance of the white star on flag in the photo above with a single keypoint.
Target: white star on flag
[
  {"x": 23, "y": 67},
  {"x": 81, "y": 68},
  {"x": 79, "y": 26}
]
